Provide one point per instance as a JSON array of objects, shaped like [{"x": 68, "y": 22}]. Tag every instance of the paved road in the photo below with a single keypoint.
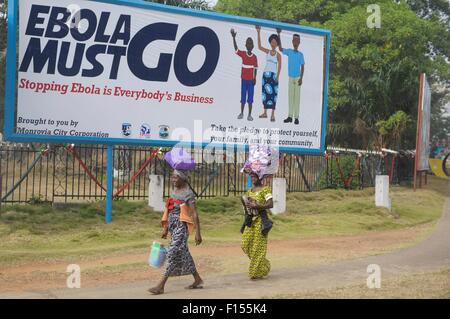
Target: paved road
[{"x": 430, "y": 255}]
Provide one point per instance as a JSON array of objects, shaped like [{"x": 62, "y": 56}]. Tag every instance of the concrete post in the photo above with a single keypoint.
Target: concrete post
[
  {"x": 156, "y": 193},
  {"x": 382, "y": 191},
  {"x": 279, "y": 195}
]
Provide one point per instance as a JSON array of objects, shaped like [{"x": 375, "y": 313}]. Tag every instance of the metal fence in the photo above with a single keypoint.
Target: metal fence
[{"x": 28, "y": 174}]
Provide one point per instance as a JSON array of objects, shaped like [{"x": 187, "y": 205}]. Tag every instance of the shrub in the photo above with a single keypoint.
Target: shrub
[{"x": 331, "y": 178}]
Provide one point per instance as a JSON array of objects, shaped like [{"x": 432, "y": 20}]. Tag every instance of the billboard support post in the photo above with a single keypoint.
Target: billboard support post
[{"x": 109, "y": 184}]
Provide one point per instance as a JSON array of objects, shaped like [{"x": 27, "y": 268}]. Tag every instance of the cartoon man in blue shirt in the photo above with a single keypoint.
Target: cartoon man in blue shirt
[{"x": 296, "y": 69}]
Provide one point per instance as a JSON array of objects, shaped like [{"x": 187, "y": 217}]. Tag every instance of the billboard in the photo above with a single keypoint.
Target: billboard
[
  {"x": 423, "y": 125},
  {"x": 133, "y": 72}
]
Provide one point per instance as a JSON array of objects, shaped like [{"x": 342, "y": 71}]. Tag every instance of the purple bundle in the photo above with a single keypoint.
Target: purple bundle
[
  {"x": 179, "y": 159},
  {"x": 262, "y": 161}
]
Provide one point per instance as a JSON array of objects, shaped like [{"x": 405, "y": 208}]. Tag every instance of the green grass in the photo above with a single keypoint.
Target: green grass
[{"x": 42, "y": 232}]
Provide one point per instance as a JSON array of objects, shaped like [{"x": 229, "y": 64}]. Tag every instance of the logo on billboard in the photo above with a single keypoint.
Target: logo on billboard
[
  {"x": 126, "y": 129},
  {"x": 163, "y": 131},
  {"x": 144, "y": 131}
]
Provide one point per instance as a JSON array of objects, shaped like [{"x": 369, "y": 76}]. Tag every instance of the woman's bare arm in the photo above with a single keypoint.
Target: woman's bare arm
[
  {"x": 198, "y": 236},
  {"x": 279, "y": 40},
  {"x": 258, "y": 30},
  {"x": 279, "y": 66}
]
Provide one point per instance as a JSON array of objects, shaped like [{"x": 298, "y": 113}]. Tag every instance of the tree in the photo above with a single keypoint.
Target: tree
[
  {"x": 390, "y": 131},
  {"x": 375, "y": 72},
  {"x": 430, "y": 9},
  {"x": 291, "y": 11}
]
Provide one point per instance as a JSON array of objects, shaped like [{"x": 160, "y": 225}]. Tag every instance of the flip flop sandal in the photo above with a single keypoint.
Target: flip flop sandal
[
  {"x": 272, "y": 119},
  {"x": 263, "y": 116}
]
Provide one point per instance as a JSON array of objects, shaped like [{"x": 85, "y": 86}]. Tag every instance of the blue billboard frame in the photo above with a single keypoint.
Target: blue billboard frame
[{"x": 11, "y": 79}]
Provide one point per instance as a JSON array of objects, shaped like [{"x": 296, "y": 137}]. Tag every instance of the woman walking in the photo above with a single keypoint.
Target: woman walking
[
  {"x": 271, "y": 74},
  {"x": 180, "y": 218},
  {"x": 256, "y": 227}
]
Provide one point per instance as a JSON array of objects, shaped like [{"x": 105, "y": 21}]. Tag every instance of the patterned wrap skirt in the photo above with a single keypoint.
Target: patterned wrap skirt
[
  {"x": 254, "y": 245},
  {"x": 179, "y": 259},
  {"x": 269, "y": 90}
]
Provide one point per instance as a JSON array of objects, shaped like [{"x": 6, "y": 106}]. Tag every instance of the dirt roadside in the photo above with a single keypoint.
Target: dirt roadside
[{"x": 211, "y": 260}]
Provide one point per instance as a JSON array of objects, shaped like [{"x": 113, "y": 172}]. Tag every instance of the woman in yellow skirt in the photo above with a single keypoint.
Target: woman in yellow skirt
[{"x": 256, "y": 227}]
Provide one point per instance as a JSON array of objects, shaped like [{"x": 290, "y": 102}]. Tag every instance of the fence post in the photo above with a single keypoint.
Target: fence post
[
  {"x": 300, "y": 167},
  {"x": 361, "y": 173},
  {"x": 109, "y": 183}
]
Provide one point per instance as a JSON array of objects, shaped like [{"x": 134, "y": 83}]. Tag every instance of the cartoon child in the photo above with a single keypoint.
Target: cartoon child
[
  {"x": 296, "y": 69},
  {"x": 248, "y": 74}
]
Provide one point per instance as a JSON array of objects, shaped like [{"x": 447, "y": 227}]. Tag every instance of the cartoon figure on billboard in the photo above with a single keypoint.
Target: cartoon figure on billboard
[
  {"x": 296, "y": 69},
  {"x": 271, "y": 74},
  {"x": 248, "y": 74}
]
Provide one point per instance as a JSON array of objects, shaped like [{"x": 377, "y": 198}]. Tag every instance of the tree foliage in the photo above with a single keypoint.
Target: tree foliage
[
  {"x": 391, "y": 130},
  {"x": 431, "y": 9}
]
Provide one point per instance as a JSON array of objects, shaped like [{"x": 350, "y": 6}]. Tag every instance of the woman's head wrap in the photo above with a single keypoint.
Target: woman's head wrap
[{"x": 182, "y": 175}]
